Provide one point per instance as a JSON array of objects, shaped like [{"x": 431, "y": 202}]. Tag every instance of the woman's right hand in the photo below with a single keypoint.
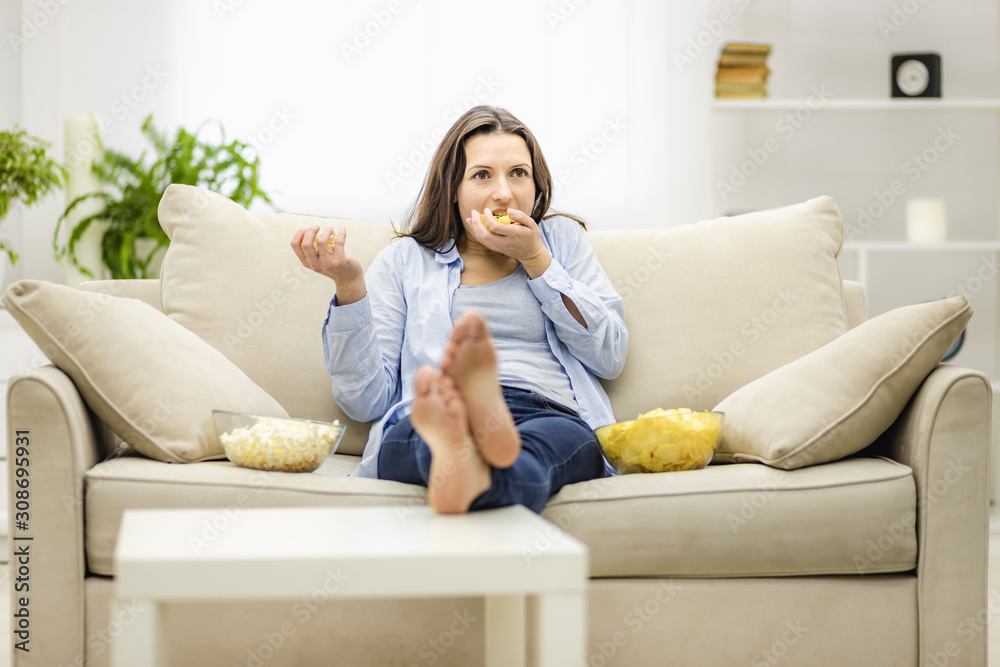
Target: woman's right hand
[{"x": 311, "y": 246}]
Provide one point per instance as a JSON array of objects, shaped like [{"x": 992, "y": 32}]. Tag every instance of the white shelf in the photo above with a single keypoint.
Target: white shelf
[{"x": 860, "y": 104}]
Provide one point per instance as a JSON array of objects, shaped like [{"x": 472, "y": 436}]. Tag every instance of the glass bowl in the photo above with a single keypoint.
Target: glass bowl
[
  {"x": 662, "y": 441},
  {"x": 275, "y": 443}
]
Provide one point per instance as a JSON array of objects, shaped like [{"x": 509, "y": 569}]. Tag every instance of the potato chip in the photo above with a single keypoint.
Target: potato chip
[
  {"x": 329, "y": 242},
  {"x": 500, "y": 217}
]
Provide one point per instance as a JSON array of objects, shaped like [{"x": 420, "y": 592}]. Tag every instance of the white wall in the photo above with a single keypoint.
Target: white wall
[
  {"x": 624, "y": 125},
  {"x": 844, "y": 51}
]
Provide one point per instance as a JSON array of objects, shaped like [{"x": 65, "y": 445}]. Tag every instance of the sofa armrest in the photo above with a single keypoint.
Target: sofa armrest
[
  {"x": 51, "y": 435},
  {"x": 943, "y": 435}
]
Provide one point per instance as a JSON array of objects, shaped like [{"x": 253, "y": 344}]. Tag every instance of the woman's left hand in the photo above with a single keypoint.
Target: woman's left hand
[{"x": 522, "y": 239}]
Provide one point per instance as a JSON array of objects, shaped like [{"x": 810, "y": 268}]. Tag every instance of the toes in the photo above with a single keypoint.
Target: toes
[
  {"x": 475, "y": 325},
  {"x": 470, "y": 325},
  {"x": 453, "y": 400},
  {"x": 447, "y": 387},
  {"x": 458, "y": 333},
  {"x": 424, "y": 380}
]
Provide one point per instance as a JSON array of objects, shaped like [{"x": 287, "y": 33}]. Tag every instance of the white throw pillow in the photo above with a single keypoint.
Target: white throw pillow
[
  {"x": 153, "y": 382},
  {"x": 839, "y": 399}
]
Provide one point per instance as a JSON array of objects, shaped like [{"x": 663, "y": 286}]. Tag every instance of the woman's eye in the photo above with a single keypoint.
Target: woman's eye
[
  {"x": 481, "y": 175},
  {"x": 520, "y": 173}
]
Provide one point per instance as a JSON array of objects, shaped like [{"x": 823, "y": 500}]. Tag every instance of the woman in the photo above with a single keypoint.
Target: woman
[{"x": 476, "y": 344}]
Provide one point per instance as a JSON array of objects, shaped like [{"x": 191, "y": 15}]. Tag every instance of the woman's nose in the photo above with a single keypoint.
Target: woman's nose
[{"x": 502, "y": 191}]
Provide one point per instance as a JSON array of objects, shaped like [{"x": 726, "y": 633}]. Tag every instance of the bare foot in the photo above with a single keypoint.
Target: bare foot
[
  {"x": 458, "y": 474},
  {"x": 471, "y": 360}
]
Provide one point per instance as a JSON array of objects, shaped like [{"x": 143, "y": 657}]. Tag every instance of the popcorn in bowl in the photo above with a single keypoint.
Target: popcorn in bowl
[
  {"x": 274, "y": 443},
  {"x": 662, "y": 440}
]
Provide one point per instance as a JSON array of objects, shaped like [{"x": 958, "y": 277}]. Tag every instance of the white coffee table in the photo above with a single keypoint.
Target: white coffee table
[{"x": 285, "y": 553}]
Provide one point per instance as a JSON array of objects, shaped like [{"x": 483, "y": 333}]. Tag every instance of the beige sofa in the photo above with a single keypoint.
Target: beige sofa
[{"x": 844, "y": 521}]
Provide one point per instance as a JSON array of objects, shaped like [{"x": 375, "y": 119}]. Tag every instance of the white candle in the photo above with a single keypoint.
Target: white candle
[
  {"x": 926, "y": 221},
  {"x": 83, "y": 148}
]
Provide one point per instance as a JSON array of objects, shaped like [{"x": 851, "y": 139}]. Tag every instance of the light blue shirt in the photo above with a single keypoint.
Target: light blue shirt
[{"x": 373, "y": 347}]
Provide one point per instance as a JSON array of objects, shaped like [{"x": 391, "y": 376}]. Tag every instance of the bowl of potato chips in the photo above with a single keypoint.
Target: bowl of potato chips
[{"x": 662, "y": 440}]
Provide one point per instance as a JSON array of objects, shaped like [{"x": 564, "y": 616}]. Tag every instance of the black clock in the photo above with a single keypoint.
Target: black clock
[{"x": 916, "y": 75}]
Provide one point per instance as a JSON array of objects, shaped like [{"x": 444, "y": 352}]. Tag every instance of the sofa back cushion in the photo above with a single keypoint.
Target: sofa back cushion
[
  {"x": 231, "y": 277},
  {"x": 710, "y": 306},
  {"x": 715, "y": 305}
]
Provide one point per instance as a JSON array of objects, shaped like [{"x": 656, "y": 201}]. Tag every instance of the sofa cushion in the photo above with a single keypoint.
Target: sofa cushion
[
  {"x": 854, "y": 516},
  {"x": 153, "y": 382},
  {"x": 713, "y": 306},
  {"x": 837, "y": 400},
  {"x": 132, "y": 482},
  {"x": 231, "y": 277},
  {"x": 733, "y": 520}
]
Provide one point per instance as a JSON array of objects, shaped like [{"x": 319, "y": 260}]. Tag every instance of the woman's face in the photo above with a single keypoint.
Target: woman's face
[{"x": 498, "y": 175}]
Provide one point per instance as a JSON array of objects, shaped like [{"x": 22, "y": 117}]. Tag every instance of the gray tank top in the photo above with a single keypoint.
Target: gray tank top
[{"x": 517, "y": 325}]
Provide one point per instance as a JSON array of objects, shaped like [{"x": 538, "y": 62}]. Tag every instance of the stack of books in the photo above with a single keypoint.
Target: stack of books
[{"x": 742, "y": 71}]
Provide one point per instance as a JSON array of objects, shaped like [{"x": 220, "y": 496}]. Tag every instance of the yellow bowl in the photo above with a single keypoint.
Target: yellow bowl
[
  {"x": 662, "y": 441},
  {"x": 274, "y": 443}
]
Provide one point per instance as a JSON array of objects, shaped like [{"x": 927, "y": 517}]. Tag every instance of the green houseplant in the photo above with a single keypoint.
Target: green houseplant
[
  {"x": 26, "y": 174},
  {"x": 133, "y": 188}
]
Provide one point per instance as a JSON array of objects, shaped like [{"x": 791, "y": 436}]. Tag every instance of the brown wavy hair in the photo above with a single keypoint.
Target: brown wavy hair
[{"x": 434, "y": 218}]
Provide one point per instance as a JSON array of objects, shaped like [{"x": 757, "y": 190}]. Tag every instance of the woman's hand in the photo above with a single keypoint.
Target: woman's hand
[
  {"x": 313, "y": 248},
  {"x": 522, "y": 239}
]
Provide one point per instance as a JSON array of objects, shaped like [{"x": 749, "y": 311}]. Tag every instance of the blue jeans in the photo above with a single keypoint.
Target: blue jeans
[{"x": 557, "y": 448}]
